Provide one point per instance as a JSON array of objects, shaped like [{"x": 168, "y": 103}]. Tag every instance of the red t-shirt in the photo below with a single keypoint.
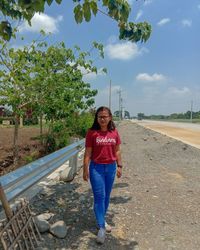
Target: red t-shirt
[{"x": 103, "y": 144}]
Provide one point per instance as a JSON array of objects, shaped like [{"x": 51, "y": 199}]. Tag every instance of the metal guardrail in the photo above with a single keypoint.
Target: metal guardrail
[{"x": 20, "y": 180}]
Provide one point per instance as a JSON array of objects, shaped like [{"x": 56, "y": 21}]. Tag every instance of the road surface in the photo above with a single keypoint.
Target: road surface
[{"x": 186, "y": 132}]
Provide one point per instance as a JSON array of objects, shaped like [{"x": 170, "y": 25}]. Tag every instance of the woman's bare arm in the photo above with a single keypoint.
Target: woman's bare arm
[
  {"x": 119, "y": 161},
  {"x": 86, "y": 161}
]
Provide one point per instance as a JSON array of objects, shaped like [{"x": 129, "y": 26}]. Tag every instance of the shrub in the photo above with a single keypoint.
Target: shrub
[
  {"x": 78, "y": 124},
  {"x": 57, "y": 138}
]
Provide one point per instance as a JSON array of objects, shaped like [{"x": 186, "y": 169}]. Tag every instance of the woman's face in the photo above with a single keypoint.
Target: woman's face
[{"x": 103, "y": 118}]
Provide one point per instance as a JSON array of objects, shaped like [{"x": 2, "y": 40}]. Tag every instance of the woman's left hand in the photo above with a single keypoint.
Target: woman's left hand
[{"x": 119, "y": 172}]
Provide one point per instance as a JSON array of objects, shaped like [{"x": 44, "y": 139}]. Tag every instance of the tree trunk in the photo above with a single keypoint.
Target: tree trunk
[
  {"x": 41, "y": 129},
  {"x": 15, "y": 142},
  {"x": 21, "y": 121}
]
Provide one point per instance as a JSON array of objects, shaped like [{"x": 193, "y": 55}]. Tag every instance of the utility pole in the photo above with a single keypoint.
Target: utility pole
[
  {"x": 110, "y": 96},
  {"x": 120, "y": 104},
  {"x": 123, "y": 112},
  {"x": 191, "y": 111},
  {"x": 122, "y": 109}
]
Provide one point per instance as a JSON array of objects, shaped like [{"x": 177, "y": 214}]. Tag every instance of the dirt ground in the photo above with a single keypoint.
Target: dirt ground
[
  {"x": 28, "y": 147},
  {"x": 154, "y": 206}
]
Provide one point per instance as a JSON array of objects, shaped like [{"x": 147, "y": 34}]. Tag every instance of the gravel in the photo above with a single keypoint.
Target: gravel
[{"x": 154, "y": 206}]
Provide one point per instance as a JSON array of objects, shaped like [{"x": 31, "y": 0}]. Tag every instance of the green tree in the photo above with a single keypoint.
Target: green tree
[
  {"x": 118, "y": 10},
  {"x": 47, "y": 79},
  {"x": 140, "y": 116},
  {"x": 15, "y": 81},
  {"x": 58, "y": 80}
]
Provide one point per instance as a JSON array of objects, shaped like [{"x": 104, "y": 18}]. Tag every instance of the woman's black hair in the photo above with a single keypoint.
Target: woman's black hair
[{"x": 96, "y": 126}]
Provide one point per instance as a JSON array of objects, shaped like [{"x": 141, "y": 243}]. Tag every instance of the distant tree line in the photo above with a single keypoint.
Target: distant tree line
[
  {"x": 187, "y": 115},
  {"x": 122, "y": 114}
]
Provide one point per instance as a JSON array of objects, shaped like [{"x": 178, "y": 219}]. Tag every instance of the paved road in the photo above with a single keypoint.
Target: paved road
[{"x": 186, "y": 132}]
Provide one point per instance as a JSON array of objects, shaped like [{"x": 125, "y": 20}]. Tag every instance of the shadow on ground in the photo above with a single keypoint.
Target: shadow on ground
[{"x": 69, "y": 202}]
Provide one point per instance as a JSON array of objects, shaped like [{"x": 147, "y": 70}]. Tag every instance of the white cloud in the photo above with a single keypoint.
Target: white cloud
[
  {"x": 123, "y": 51},
  {"x": 113, "y": 39},
  {"x": 144, "y": 77},
  {"x": 87, "y": 76},
  {"x": 186, "y": 23},
  {"x": 179, "y": 91},
  {"x": 163, "y": 21},
  {"x": 114, "y": 89},
  {"x": 42, "y": 21},
  {"x": 102, "y": 97},
  {"x": 139, "y": 14},
  {"x": 147, "y": 2},
  {"x": 198, "y": 6}
]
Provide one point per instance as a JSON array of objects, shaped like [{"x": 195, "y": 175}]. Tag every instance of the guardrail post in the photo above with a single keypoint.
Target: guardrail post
[
  {"x": 73, "y": 161},
  {"x": 69, "y": 173}
]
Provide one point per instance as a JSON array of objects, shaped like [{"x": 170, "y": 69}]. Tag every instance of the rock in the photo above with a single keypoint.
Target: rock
[
  {"x": 185, "y": 147},
  {"x": 43, "y": 225},
  {"x": 59, "y": 229},
  {"x": 82, "y": 198},
  {"x": 67, "y": 174},
  {"x": 45, "y": 216}
]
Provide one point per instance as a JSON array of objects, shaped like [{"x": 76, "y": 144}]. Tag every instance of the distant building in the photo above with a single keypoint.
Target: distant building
[{"x": 2, "y": 111}]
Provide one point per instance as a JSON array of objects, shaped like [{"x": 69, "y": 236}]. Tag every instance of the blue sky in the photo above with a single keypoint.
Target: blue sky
[{"x": 161, "y": 76}]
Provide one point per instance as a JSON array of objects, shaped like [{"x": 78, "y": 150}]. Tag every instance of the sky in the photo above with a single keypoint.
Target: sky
[{"x": 161, "y": 76}]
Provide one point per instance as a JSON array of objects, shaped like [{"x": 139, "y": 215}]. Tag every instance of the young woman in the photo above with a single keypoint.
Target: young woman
[{"x": 102, "y": 154}]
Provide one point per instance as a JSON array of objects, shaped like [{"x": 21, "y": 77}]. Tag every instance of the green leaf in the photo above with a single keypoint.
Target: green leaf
[
  {"x": 78, "y": 13},
  {"x": 135, "y": 32},
  {"x": 105, "y": 2},
  {"x": 49, "y": 2},
  {"x": 5, "y": 30},
  {"x": 59, "y": 1},
  {"x": 95, "y": 44},
  {"x": 38, "y": 6},
  {"x": 42, "y": 32},
  {"x": 124, "y": 13},
  {"x": 94, "y": 8},
  {"x": 86, "y": 11}
]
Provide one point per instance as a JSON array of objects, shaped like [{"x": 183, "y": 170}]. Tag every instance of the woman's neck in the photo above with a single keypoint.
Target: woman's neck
[{"x": 104, "y": 128}]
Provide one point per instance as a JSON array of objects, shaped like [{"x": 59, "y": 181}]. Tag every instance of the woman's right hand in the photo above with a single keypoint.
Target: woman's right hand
[
  {"x": 85, "y": 173},
  {"x": 119, "y": 172}
]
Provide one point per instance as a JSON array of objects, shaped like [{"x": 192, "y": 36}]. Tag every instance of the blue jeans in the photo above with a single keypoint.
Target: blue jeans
[{"x": 101, "y": 177}]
